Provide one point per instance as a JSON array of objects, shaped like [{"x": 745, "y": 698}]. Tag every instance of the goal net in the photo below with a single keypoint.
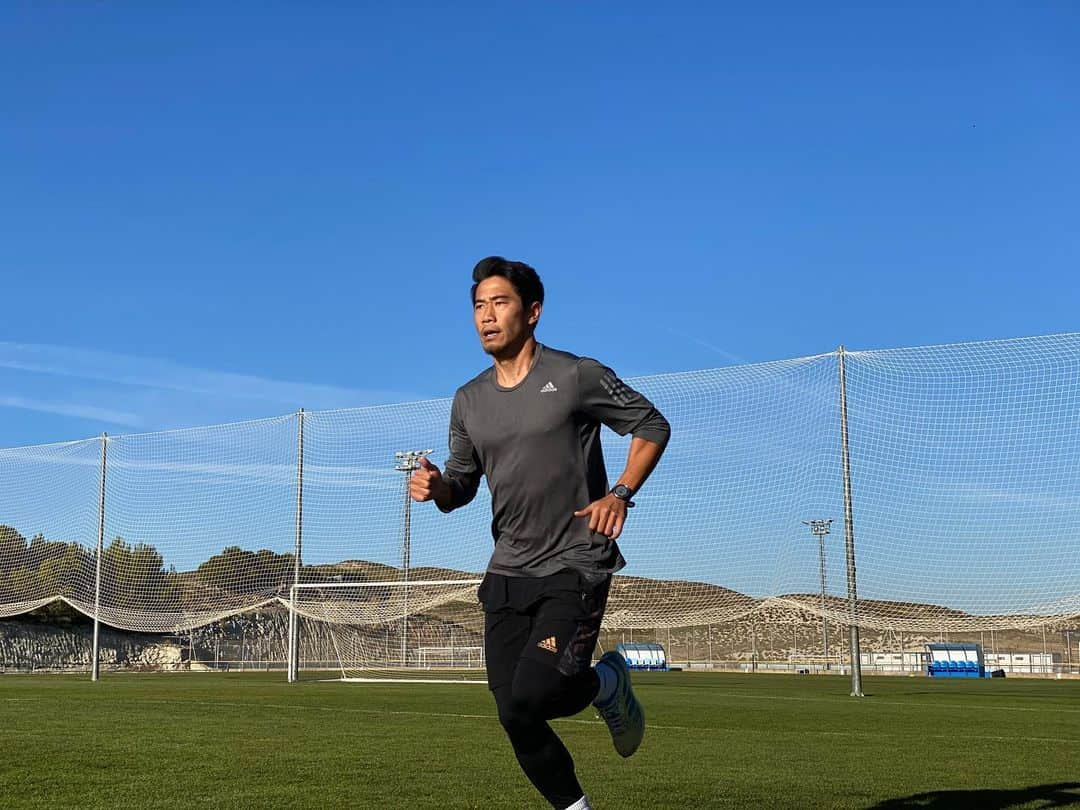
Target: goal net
[{"x": 427, "y": 630}]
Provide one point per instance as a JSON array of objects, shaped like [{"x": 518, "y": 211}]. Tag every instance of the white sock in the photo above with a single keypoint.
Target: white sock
[
  {"x": 581, "y": 804},
  {"x": 608, "y": 681}
]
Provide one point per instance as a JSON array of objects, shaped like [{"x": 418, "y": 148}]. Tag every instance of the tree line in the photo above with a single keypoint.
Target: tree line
[{"x": 133, "y": 575}]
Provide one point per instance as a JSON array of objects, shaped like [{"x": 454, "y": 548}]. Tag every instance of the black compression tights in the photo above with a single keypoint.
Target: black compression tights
[{"x": 538, "y": 694}]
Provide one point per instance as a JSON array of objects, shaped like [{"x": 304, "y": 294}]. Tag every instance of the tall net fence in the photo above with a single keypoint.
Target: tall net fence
[{"x": 965, "y": 477}]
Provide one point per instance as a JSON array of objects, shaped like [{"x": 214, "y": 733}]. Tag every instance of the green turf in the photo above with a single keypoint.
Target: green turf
[{"x": 714, "y": 740}]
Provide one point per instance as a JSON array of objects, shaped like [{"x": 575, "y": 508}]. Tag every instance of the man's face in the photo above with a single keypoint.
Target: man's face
[{"x": 501, "y": 319}]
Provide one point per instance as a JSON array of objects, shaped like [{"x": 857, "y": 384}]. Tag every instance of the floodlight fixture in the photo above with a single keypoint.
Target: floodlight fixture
[{"x": 819, "y": 528}]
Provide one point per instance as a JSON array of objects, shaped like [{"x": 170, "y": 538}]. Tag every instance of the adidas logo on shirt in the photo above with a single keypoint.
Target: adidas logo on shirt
[
  {"x": 549, "y": 388},
  {"x": 549, "y": 642}
]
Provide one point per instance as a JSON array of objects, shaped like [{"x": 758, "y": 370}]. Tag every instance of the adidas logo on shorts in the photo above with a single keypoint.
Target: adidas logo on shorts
[
  {"x": 549, "y": 388},
  {"x": 548, "y": 644}
]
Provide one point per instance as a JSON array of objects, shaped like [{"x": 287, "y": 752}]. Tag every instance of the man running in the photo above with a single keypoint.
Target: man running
[{"x": 531, "y": 424}]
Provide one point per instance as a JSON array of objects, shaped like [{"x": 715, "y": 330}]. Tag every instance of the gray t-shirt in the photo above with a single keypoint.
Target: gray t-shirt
[{"x": 538, "y": 443}]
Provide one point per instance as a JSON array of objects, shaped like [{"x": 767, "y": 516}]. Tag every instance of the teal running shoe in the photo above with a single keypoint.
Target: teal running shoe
[{"x": 622, "y": 712}]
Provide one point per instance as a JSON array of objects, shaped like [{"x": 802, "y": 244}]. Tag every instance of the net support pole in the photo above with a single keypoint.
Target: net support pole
[
  {"x": 849, "y": 538},
  {"x": 1045, "y": 669},
  {"x": 294, "y": 621},
  {"x": 95, "y": 655},
  {"x": 406, "y": 542}
]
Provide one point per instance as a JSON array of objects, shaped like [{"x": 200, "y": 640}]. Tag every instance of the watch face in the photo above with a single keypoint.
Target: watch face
[{"x": 622, "y": 491}]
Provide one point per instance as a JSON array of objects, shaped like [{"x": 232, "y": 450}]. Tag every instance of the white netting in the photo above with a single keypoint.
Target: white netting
[
  {"x": 430, "y": 630},
  {"x": 965, "y": 466},
  {"x": 966, "y": 469},
  {"x": 48, "y": 523},
  {"x": 199, "y": 524},
  {"x": 354, "y": 498}
]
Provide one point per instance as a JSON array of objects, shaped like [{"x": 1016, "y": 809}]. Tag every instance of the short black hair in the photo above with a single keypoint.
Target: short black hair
[{"x": 525, "y": 280}]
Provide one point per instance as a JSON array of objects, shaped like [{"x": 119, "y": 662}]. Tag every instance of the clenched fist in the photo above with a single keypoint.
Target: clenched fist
[{"x": 428, "y": 484}]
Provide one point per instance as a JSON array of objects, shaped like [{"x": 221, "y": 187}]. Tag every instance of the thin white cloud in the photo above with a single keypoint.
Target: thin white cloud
[
  {"x": 734, "y": 358},
  {"x": 146, "y": 372},
  {"x": 342, "y": 477},
  {"x": 78, "y": 410}
]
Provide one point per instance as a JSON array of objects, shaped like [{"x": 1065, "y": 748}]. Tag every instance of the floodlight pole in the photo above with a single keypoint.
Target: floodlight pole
[
  {"x": 95, "y": 662},
  {"x": 849, "y": 538},
  {"x": 298, "y": 547},
  {"x": 408, "y": 461},
  {"x": 820, "y": 528}
]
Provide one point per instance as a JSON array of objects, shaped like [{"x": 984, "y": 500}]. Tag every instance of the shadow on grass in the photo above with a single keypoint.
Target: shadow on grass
[{"x": 1062, "y": 794}]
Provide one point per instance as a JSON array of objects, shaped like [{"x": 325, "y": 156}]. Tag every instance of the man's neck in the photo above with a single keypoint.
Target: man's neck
[{"x": 512, "y": 368}]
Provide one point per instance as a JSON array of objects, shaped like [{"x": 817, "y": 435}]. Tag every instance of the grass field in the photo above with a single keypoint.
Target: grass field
[{"x": 714, "y": 740}]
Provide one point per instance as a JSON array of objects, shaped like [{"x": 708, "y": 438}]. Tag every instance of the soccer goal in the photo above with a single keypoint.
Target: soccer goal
[{"x": 428, "y": 630}]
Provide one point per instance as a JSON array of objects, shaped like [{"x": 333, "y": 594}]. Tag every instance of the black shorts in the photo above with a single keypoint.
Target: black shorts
[{"x": 554, "y": 620}]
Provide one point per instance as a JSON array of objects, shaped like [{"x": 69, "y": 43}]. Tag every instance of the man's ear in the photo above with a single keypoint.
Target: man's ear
[{"x": 534, "y": 313}]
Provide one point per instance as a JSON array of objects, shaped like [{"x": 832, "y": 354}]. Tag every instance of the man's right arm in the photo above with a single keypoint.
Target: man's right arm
[{"x": 458, "y": 485}]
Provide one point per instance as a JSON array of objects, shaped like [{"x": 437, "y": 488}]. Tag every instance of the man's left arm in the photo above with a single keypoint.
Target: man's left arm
[{"x": 609, "y": 400}]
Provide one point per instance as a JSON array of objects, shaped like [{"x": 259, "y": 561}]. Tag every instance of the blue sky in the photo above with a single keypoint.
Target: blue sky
[
  {"x": 213, "y": 215},
  {"x": 216, "y": 215}
]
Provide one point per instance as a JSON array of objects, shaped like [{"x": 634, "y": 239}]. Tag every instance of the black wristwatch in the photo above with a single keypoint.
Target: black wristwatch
[{"x": 623, "y": 493}]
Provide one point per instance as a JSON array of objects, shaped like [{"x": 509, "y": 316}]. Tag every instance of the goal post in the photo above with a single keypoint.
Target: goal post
[{"x": 422, "y": 630}]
